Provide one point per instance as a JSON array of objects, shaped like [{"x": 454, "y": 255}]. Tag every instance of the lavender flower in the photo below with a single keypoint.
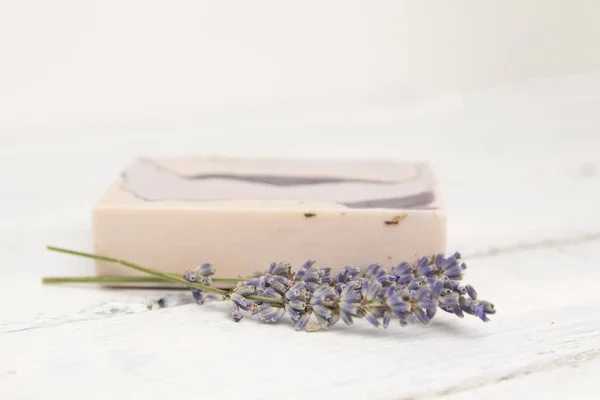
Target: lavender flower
[
  {"x": 409, "y": 293},
  {"x": 202, "y": 274}
]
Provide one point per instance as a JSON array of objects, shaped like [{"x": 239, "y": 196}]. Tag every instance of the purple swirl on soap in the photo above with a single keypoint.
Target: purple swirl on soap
[{"x": 147, "y": 180}]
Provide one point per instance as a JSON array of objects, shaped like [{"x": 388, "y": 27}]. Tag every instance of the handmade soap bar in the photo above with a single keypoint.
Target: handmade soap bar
[{"x": 242, "y": 214}]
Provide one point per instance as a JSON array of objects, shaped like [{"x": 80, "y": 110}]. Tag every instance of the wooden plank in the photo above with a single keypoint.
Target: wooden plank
[
  {"x": 547, "y": 301},
  {"x": 571, "y": 378}
]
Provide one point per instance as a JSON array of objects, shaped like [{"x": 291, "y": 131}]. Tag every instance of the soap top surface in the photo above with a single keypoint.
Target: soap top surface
[{"x": 272, "y": 183}]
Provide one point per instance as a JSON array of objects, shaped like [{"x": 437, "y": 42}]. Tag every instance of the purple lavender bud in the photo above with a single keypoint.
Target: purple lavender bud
[
  {"x": 296, "y": 291},
  {"x": 269, "y": 313},
  {"x": 241, "y": 301},
  {"x": 471, "y": 291},
  {"x": 312, "y": 275},
  {"x": 431, "y": 312},
  {"x": 326, "y": 291},
  {"x": 427, "y": 304},
  {"x": 252, "y": 282},
  {"x": 456, "y": 287},
  {"x": 422, "y": 293},
  {"x": 322, "y": 295},
  {"x": 297, "y": 304},
  {"x": 339, "y": 287},
  {"x": 402, "y": 269},
  {"x": 349, "y": 308},
  {"x": 397, "y": 304},
  {"x": 327, "y": 322},
  {"x": 372, "y": 270},
  {"x": 440, "y": 261},
  {"x": 280, "y": 279},
  {"x": 370, "y": 290},
  {"x": 402, "y": 318},
  {"x": 293, "y": 314},
  {"x": 448, "y": 309},
  {"x": 301, "y": 323},
  {"x": 353, "y": 284},
  {"x": 322, "y": 310},
  {"x": 480, "y": 312},
  {"x": 235, "y": 311},
  {"x": 351, "y": 297},
  {"x": 387, "y": 317},
  {"x": 436, "y": 288},
  {"x": 421, "y": 316},
  {"x": 346, "y": 318},
  {"x": 237, "y": 316},
  {"x": 488, "y": 307},
  {"x": 372, "y": 319},
  {"x": 404, "y": 279},
  {"x": 415, "y": 284},
  {"x": 424, "y": 267},
  {"x": 451, "y": 302},
  {"x": 458, "y": 311},
  {"x": 305, "y": 267},
  {"x": 347, "y": 274},
  {"x": 278, "y": 286},
  {"x": 385, "y": 279},
  {"x": 467, "y": 305},
  {"x": 326, "y": 275},
  {"x": 205, "y": 270},
  {"x": 390, "y": 290},
  {"x": 189, "y": 276},
  {"x": 282, "y": 269},
  {"x": 311, "y": 286},
  {"x": 270, "y": 292},
  {"x": 263, "y": 281},
  {"x": 454, "y": 272},
  {"x": 198, "y": 295},
  {"x": 445, "y": 263}
]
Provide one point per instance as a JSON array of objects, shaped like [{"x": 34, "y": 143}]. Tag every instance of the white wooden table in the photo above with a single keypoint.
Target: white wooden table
[{"x": 520, "y": 170}]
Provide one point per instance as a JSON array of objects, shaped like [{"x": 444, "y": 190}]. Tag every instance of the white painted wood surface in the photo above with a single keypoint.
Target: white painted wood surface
[{"x": 520, "y": 169}]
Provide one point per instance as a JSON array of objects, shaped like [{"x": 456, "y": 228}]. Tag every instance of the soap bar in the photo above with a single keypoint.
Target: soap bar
[{"x": 241, "y": 214}]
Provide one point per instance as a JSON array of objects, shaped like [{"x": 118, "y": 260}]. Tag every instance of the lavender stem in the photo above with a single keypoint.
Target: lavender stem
[{"x": 149, "y": 271}]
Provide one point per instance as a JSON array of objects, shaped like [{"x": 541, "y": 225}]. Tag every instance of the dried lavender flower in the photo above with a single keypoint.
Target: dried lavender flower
[{"x": 408, "y": 292}]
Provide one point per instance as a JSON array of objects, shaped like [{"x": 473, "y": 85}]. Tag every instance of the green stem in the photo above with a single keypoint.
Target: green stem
[
  {"x": 165, "y": 277},
  {"x": 103, "y": 279},
  {"x": 264, "y": 299},
  {"x": 121, "y": 279},
  {"x": 228, "y": 280},
  {"x": 156, "y": 276}
]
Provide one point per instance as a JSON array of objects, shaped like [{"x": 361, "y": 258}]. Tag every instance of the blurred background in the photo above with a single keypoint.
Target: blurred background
[
  {"x": 501, "y": 96},
  {"x": 67, "y": 63}
]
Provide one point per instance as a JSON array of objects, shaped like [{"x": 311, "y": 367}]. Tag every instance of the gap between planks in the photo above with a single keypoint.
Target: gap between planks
[{"x": 571, "y": 360}]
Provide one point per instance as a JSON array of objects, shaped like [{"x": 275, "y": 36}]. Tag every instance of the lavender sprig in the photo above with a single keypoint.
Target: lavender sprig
[{"x": 408, "y": 292}]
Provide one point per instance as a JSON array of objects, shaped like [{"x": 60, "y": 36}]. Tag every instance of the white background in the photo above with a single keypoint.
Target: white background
[{"x": 69, "y": 62}]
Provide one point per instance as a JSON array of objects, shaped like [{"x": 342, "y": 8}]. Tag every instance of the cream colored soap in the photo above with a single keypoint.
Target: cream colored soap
[{"x": 242, "y": 214}]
